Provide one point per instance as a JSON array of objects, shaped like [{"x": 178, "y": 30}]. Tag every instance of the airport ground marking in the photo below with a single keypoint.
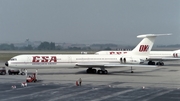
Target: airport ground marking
[
  {"x": 114, "y": 94},
  {"x": 27, "y": 95},
  {"x": 71, "y": 95},
  {"x": 156, "y": 95}
]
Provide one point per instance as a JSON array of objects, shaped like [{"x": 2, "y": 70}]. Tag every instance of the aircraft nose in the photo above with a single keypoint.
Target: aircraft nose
[{"x": 7, "y": 64}]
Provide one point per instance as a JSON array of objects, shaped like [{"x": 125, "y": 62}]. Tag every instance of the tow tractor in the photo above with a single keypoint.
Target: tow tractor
[
  {"x": 2, "y": 70},
  {"x": 31, "y": 78}
]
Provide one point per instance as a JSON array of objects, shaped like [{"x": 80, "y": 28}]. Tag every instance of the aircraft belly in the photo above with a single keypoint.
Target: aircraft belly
[{"x": 63, "y": 65}]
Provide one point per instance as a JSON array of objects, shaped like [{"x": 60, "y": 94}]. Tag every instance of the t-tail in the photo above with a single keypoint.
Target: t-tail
[{"x": 145, "y": 46}]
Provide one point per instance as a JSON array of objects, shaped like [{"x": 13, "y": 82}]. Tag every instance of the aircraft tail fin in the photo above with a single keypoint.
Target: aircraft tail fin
[{"x": 145, "y": 46}]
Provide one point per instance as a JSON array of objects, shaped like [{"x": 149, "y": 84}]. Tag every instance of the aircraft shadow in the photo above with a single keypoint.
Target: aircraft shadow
[
  {"x": 122, "y": 73},
  {"x": 171, "y": 65}
]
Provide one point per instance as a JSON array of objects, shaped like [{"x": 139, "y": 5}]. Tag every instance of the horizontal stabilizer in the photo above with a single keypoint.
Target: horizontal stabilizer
[{"x": 151, "y": 35}]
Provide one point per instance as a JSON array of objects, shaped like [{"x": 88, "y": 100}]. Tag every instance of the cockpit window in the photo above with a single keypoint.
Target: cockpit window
[{"x": 13, "y": 59}]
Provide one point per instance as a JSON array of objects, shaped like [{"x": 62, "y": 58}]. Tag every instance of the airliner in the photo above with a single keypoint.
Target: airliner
[
  {"x": 90, "y": 61},
  {"x": 158, "y": 56}
]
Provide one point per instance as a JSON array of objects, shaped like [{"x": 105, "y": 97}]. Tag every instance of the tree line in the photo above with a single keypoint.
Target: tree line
[
  {"x": 43, "y": 46},
  {"x": 52, "y": 46}
]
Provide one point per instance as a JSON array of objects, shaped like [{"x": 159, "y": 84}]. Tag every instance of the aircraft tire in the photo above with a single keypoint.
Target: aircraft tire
[
  {"x": 35, "y": 80},
  {"x": 105, "y": 72},
  {"x": 100, "y": 72},
  {"x": 22, "y": 73},
  {"x": 151, "y": 63},
  {"x": 158, "y": 63},
  {"x": 87, "y": 71},
  {"x": 94, "y": 71},
  {"x": 162, "y": 63}
]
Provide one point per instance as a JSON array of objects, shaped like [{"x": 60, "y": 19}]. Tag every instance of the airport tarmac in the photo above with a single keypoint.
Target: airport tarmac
[{"x": 145, "y": 84}]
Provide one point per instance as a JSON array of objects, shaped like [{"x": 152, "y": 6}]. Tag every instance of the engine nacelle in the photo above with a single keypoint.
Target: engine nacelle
[{"x": 131, "y": 60}]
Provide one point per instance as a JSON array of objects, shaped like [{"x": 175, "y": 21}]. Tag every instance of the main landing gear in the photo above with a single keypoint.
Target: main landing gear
[
  {"x": 151, "y": 63},
  {"x": 94, "y": 71},
  {"x": 102, "y": 71},
  {"x": 90, "y": 70},
  {"x": 160, "y": 63}
]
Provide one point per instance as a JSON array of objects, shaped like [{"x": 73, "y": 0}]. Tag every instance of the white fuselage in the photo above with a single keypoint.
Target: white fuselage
[{"x": 38, "y": 61}]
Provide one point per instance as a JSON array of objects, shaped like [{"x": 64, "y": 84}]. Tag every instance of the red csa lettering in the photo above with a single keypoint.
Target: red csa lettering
[
  {"x": 143, "y": 48},
  {"x": 53, "y": 58},
  {"x": 35, "y": 58},
  {"x": 45, "y": 58}
]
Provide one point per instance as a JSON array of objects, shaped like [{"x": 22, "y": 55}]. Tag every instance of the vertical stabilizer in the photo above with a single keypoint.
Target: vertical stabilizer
[{"x": 145, "y": 46}]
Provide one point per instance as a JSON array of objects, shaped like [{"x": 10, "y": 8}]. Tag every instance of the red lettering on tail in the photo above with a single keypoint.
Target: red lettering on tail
[{"x": 143, "y": 48}]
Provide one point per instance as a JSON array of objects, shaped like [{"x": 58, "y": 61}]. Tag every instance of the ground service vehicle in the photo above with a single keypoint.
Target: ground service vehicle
[
  {"x": 31, "y": 78},
  {"x": 13, "y": 71},
  {"x": 3, "y": 71}
]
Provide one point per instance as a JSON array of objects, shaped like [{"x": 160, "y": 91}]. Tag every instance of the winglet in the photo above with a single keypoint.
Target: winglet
[{"x": 152, "y": 35}]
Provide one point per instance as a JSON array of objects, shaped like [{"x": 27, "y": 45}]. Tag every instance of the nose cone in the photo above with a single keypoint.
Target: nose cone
[{"x": 7, "y": 64}]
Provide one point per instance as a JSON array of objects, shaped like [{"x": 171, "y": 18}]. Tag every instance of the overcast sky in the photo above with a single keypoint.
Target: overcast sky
[{"x": 89, "y": 21}]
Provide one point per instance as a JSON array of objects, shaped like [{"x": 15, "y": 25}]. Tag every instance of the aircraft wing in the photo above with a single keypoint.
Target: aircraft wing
[
  {"x": 162, "y": 59},
  {"x": 110, "y": 65}
]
